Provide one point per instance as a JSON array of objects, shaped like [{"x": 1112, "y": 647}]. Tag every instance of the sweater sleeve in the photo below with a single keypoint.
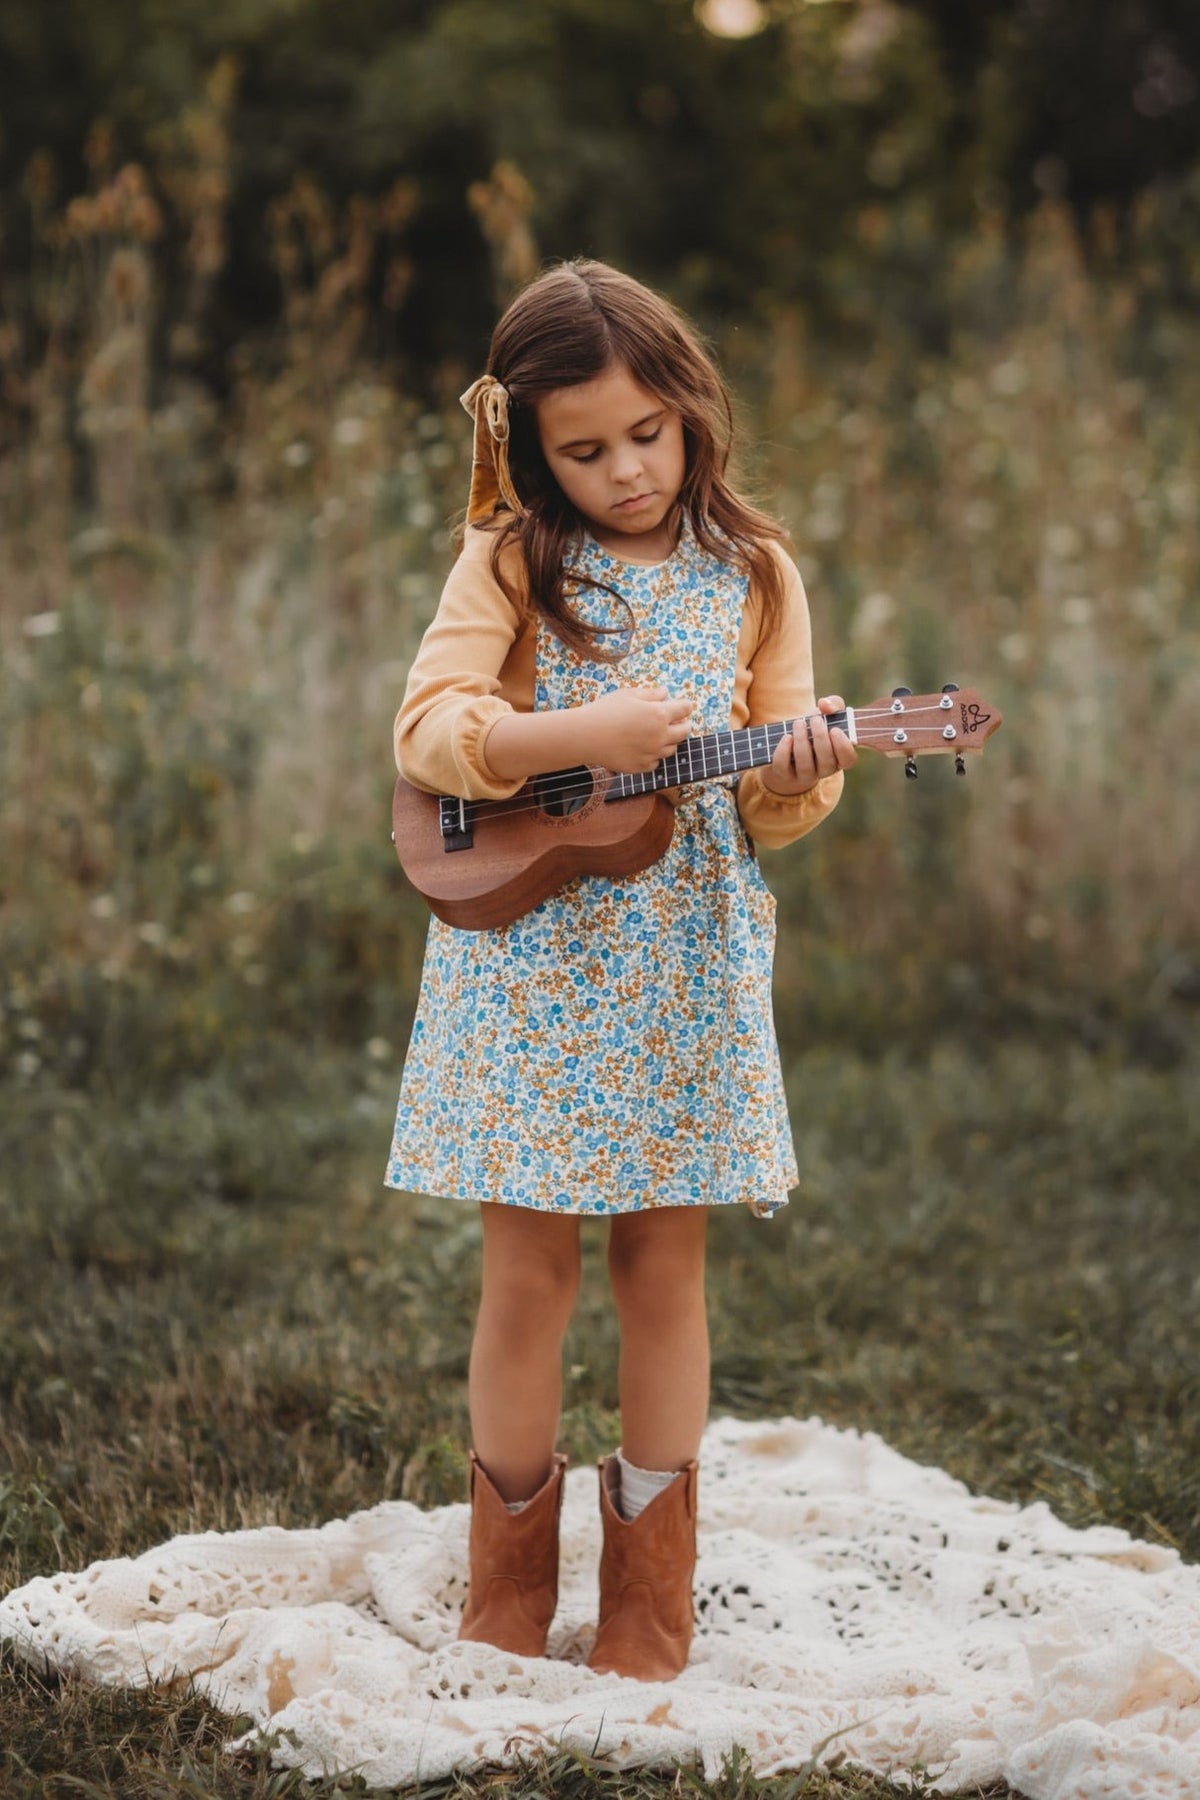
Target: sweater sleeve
[
  {"x": 455, "y": 690},
  {"x": 781, "y": 687}
]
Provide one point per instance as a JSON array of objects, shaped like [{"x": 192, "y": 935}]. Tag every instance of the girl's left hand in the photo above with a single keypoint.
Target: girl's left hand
[{"x": 807, "y": 756}]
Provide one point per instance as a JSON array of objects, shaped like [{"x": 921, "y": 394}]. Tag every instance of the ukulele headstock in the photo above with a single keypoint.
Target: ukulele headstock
[{"x": 908, "y": 725}]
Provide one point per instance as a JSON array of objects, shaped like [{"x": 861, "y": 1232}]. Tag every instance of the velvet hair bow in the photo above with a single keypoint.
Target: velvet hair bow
[{"x": 487, "y": 402}]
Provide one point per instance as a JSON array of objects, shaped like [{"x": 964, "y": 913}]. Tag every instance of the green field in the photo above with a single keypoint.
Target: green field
[
  {"x": 992, "y": 1265},
  {"x": 211, "y": 1311}
]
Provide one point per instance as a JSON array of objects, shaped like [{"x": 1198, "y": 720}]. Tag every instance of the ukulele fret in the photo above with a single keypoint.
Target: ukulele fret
[
  {"x": 704, "y": 758},
  {"x": 531, "y": 844}
]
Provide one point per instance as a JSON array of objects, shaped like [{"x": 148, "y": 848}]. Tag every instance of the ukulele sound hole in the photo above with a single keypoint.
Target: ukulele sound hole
[{"x": 565, "y": 792}]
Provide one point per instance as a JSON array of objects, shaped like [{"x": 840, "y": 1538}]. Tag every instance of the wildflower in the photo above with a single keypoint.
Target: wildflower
[
  {"x": 1009, "y": 377},
  {"x": 43, "y": 624},
  {"x": 979, "y": 516},
  {"x": 875, "y": 613},
  {"x": 1063, "y": 541}
]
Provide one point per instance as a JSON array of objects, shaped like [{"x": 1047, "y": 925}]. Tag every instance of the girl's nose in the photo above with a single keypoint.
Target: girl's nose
[{"x": 627, "y": 464}]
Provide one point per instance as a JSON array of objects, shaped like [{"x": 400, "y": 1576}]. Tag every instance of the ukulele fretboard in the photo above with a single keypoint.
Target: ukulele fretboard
[{"x": 706, "y": 758}]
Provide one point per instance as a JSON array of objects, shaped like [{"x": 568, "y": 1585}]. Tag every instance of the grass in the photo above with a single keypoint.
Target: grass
[
  {"x": 992, "y": 1265},
  {"x": 211, "y": 1311}
]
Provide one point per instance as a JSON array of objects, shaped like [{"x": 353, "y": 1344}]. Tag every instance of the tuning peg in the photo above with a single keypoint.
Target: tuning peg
[
  {"x": 910, "y": 767},
  {"x": 960, "y": 763}
]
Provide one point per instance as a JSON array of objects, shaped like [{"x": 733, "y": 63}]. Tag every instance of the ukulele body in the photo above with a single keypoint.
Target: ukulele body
[
  {"x": 524, "y": 849},
  {"x": 482, "y": 863}
]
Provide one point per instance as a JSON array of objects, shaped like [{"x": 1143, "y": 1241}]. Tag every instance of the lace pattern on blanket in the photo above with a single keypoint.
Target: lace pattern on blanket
[{"x": 840, "y": 1589}]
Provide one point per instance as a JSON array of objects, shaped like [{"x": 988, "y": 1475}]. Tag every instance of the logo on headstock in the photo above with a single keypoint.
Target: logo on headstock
[{"x": 973, "y": 716}]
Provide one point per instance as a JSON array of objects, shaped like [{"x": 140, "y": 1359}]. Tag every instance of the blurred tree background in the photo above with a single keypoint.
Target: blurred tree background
[
  {"x": 734, "y": 168},
  {"x": 250, "y": 253}
]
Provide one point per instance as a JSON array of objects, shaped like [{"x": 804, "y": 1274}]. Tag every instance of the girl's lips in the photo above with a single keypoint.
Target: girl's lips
[{"x": 634, "y": 500}]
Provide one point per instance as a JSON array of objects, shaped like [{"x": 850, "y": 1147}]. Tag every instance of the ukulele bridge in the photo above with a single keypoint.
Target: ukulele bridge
[{"x": 457, "y": 821}]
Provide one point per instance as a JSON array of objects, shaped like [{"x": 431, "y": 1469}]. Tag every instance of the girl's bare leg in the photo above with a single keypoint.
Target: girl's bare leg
[
  {"x": 656, "y": 1266},
  {"x": 530, "y": 1281}
]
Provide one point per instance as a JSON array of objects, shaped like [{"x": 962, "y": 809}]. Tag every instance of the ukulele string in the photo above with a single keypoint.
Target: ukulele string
[
  {"x": 550, "y": 787},
  {"x": 560, "y": 781}
]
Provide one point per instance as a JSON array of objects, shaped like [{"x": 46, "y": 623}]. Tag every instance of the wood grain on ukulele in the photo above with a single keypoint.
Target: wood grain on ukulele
[{"x": 480, "y": 864}]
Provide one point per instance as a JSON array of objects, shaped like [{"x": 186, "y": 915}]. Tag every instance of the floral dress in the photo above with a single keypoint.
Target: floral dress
[{"x": 614, "y": 1049}]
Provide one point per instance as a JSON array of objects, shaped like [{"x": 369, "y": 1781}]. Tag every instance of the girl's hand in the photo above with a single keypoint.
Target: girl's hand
[
  {"x": 632, "y": 729},
  {"x": 803, "y": 759}
]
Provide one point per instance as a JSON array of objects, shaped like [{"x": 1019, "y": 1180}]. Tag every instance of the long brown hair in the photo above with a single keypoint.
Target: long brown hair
[{"x": 567, "y": 327}]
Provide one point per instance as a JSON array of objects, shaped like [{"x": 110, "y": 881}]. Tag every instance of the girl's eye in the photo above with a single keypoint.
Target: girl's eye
[{"x": 650, "y": 438}]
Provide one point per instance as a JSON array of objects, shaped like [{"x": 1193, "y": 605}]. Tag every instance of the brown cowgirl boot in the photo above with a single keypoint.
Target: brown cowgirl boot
[
  {"x": 513, "y": 1585},
  {"x": 646, "y": 1566}
]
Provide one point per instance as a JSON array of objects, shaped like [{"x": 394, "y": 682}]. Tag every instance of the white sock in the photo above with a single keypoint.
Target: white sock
[{"x": 639, "y": 1486}]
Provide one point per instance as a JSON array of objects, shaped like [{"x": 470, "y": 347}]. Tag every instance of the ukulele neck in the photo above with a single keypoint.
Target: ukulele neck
[{"x": 715, "y": 754}]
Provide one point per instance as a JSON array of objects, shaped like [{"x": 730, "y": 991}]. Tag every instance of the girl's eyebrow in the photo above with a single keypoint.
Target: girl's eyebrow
[{"x": 577, "y": 443}]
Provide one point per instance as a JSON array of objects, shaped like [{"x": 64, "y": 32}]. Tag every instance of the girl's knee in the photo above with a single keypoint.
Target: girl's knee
[
  {"x": 531, "y": 1271},
  {"x": 657, "y": 1257}
]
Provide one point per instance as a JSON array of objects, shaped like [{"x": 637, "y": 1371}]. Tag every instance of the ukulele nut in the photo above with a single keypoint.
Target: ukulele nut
[{"x": 900, "y": 737}]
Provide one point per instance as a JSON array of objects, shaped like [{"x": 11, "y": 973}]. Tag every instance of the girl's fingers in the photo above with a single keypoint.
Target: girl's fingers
[
  {"x": 844, "y": 750},
  {"x": 832, "y": 749},
  {"x": 810, "y": 752},
  {"x": 844, "y": 753},
  {"x": 835, "y": 751},
  {"x": 678, "y": 720}
]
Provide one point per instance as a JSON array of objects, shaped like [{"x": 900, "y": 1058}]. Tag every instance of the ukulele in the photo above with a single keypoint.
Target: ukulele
[{"x": 485, "y": 863}]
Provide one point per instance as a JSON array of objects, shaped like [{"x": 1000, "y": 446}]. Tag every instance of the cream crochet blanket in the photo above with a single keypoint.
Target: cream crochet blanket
[{"x": 846, "y": 1598}]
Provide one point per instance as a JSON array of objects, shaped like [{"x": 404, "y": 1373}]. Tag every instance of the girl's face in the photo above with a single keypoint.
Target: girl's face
[{"x": 618, "y": 455}]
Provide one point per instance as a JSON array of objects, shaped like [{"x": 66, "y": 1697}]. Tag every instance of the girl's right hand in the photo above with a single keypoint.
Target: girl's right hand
[{"x": 631, "y": 729}]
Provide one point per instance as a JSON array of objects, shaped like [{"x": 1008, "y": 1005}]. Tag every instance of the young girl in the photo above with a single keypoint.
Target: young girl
[{"x": 612, "y": 1054}]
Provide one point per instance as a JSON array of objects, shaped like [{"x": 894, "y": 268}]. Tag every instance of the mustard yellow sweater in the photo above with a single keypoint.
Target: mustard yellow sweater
[{"x": 477, "y": 662}]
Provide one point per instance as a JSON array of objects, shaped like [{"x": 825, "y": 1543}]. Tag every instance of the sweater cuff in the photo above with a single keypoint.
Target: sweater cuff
[
  {"x": 447, "y": 756},
  {"x": 472, "y": 754},
  {"x": 774, "y": 820}
]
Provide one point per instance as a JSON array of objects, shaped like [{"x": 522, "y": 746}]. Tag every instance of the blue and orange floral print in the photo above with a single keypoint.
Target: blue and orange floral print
[{"x": 615, "y": 1049}]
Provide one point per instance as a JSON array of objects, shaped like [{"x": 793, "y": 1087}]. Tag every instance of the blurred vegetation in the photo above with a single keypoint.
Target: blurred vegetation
[
  {"x": 251, "y": 254},
  {"x": 207, "y": 613},
  {"x": 736, "y": 169}
]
